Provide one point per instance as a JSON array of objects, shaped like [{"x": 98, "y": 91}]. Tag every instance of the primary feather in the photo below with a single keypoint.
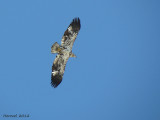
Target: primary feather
[{"x": 64, "y": 52}]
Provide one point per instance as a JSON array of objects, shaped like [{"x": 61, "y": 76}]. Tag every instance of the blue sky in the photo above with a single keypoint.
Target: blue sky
[{"x": 116, "y": 75}]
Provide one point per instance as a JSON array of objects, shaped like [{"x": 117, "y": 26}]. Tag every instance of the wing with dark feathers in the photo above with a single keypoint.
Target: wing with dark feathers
[
  {"x": 58, "y": 69},
  {"x": 71, "y": 33}
]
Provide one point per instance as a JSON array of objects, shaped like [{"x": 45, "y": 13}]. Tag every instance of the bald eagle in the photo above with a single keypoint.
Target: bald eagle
[{"x": 64, "y": 51}]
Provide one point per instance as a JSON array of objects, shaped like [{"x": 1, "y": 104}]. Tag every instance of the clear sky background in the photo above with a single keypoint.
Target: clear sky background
[{"x": 116, "y": 75}]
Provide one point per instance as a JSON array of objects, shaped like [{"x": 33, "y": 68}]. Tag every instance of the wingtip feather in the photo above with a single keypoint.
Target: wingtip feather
[
  {"x": 56, "y": 80},
  {"x": 76, "y": 24}
]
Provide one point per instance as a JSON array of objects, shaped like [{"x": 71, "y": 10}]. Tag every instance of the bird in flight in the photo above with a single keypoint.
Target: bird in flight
[{"x": 64, "y": 51}]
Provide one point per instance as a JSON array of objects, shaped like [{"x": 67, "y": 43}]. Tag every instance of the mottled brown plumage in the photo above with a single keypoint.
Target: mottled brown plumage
[{"x": 64, "y": 52}]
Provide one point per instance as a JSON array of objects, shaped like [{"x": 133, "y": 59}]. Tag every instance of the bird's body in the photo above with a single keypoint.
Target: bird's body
[{"x": 64, "y": 52}]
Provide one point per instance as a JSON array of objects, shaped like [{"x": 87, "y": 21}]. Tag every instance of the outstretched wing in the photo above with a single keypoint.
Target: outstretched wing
[
  {"x": 60, "y": 61},
  {"x": 71, "y": 34},
  {"x": 58, "y": 69}
]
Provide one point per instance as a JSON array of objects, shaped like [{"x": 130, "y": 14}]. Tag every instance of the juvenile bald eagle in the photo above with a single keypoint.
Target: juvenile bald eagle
[{"x": 64, "y": 52}]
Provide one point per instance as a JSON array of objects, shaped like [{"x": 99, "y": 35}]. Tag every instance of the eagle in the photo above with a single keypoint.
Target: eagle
[{"x": 64, "y": 52}]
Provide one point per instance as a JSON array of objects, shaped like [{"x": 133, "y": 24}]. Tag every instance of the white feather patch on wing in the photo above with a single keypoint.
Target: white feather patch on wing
[
  {"x": 70, "y": 29},
  {"x": 54, "y": 73}
]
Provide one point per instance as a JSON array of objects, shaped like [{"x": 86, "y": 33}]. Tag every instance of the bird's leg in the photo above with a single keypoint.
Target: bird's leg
[
  {"x": 72, "y": 55},
  {"x": 55, "y": 48}
]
